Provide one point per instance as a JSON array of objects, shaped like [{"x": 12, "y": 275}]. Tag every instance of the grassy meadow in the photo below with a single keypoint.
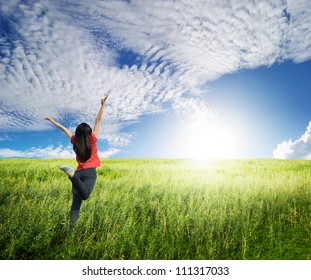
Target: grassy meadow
[{"x": 158, "y": 209}]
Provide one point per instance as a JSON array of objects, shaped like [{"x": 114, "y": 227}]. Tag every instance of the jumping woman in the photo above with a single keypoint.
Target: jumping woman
[{"x": 84, "y": 145}]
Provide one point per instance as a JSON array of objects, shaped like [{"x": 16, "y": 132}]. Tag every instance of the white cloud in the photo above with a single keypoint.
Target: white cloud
[
  {"x": 298, "y": 33},
  {"x": 205, "y": 39},
  {"x": 50, "y": 152},
  {"x": 298, "y": 149},
  {"x": 55, "y": 70},
  {"x": 59, "y": 58},
  {"x": 194, "y": 112},
  {"x": 109, "y": 153}
]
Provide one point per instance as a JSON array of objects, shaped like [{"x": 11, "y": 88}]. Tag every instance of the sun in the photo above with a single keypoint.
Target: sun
[{"x": 211, "y": 141}]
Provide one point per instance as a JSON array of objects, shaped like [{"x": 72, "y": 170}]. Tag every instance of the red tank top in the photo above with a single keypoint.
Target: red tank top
[{"x": 94, "y": 160}]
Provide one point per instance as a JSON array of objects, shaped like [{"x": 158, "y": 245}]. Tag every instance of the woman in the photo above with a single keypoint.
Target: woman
[{"x": 84, "y": 145}]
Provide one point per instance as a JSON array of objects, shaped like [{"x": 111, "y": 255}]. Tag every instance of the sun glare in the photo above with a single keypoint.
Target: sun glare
[{"x": 212, "y": 141}]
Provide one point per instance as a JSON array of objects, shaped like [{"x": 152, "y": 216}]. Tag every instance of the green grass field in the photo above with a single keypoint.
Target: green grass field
[{"x": 158, "y": 209}]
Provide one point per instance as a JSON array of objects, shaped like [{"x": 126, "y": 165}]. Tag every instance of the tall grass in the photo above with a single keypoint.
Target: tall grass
[{"x": 158, "y": 209}]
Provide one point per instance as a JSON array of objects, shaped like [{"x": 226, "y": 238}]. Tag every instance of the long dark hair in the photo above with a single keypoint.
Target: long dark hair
[{"x": 82, "y": 146}]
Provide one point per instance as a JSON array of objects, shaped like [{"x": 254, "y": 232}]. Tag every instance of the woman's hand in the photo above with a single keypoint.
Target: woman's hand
[
  {"x": 48, "y": 119},
  {"x": 103, "y": 101}
]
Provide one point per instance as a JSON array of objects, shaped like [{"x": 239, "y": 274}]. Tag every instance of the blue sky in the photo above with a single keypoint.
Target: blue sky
[{"x": 185, "y": 79}]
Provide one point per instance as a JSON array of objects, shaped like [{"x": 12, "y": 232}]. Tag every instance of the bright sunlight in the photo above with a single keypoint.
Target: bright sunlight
[{"x": 213, "y": 140}]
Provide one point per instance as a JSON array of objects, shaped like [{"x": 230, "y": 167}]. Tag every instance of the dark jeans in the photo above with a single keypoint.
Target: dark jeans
[{"x": 83, "y": 183}]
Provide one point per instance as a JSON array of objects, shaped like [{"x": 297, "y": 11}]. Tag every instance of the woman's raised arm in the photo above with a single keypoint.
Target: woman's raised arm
[
  {"x": 99, "y": 116},
  {"x": 61, "y": 127}
]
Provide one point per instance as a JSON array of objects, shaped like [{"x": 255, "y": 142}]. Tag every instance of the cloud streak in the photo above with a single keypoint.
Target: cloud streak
[
  {"x": 50, "y": 152},
  {"x": 59, "y": 58}
]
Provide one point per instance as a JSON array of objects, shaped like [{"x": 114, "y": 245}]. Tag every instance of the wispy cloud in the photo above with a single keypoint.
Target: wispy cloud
[
  {"x": 298, "y": 149},
  {"x": 58, "y": 58},
  {"x": 47, "y": 152},
  {"x": 51, "y": 151},
  {"x": 194, "y": 113}
]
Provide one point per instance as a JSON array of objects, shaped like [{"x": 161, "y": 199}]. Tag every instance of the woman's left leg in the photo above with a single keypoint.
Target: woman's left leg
[{"x": 83, "y": 181}]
